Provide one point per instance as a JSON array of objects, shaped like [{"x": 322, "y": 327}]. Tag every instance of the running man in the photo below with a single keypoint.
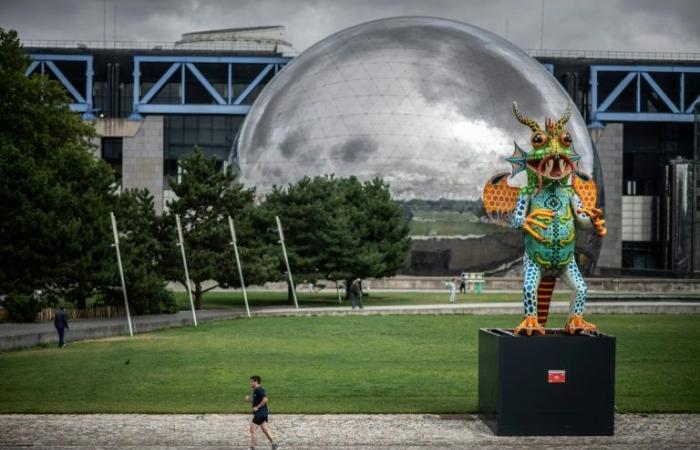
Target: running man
[{"x": 259, "y": 413}]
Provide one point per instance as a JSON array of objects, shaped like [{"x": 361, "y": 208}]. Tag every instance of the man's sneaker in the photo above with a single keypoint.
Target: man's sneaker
[{"x": 275, "y": 446}]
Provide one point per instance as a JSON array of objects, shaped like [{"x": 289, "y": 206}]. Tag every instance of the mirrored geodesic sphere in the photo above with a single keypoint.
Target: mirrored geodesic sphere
[{"x": 425, "y": 104}]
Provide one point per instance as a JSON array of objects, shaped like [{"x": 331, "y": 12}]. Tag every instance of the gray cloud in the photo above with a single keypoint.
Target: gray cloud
[{"x": 633, "y": 25}]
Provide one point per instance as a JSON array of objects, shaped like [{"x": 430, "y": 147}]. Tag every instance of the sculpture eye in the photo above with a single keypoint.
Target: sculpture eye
[
  {"x": 565, "y": 138},
  {"x": 539, "y": 139}
]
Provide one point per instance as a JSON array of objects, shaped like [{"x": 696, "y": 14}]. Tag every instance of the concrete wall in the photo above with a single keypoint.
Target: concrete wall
[
  {"x": 142, "y": 159},
  {"x": 116, "y": 127},
  {"x": 608, "y": 142}
]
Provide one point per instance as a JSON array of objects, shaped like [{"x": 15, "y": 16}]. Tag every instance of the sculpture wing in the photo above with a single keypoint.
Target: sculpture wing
[
  {"x": 586, "y": 189},
  {"x": 500, "y": 199}
]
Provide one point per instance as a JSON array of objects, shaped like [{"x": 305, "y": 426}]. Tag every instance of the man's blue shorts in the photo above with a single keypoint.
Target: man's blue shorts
[{"x": 258, "y": 420}]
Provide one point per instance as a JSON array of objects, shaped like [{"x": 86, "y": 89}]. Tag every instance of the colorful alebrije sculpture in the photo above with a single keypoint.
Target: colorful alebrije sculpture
[{"x": 556, "y": 193}]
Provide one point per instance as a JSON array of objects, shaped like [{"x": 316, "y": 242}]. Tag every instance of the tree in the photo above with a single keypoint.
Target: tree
[
  {"x": 378, "y": 227},
  {"x": 314, "y": 223},
  {"x": 140, "y": 251},
  {"x": 55, "y": 197},
  {"x": 339, "y": 229},
  {"x": 205, "y": 199}
]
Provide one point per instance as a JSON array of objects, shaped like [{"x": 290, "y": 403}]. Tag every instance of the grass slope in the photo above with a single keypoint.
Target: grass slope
[{"x": 351, "y": 364}]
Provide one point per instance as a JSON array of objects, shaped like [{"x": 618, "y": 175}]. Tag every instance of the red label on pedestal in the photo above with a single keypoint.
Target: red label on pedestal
[{"x": 556, "y": 376}]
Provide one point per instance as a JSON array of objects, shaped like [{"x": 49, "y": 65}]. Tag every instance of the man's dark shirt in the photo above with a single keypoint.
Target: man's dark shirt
[
  {"x": 258, "y": 396},
  {"x": 60, "y": 320}
]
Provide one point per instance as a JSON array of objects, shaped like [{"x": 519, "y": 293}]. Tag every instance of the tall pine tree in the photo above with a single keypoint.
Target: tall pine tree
[
  {"x": 138, "y": 228},
  {"x": 205, "y": 198},
  {"x": 55, "y": 197},
  {"x": 339, "y": 229}
]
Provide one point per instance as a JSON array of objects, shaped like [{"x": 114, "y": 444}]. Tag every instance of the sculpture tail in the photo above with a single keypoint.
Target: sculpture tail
[{"x": 544, "y": 296}]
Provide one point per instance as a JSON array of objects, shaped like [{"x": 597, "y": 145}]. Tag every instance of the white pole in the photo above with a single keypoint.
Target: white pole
[
  {"x": 337, "y": 290},
  {"x": 286, "y": 261},
  {"x": 238, "y": 263},
  {"x": 121, "y": 272},
  {"x": 184, "y": 263}
]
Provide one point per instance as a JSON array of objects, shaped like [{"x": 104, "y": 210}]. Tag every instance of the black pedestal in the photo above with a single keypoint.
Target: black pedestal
[{"x": 553, "y": 385}]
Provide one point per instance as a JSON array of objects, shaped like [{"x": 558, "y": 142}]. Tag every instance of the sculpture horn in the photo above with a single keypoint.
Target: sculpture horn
[
  {"x": 534, "y": 126},
  {"x": 565, "y": 118}
]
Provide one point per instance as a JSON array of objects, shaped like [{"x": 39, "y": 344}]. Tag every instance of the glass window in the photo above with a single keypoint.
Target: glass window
[
  {"x": 111, "y": 152},
  {"x": 214, "y": 134},
  {"x": 176, "y": 122},
  {"x": 190, "y": 122},
  {"x": 219, "y": 122},
  {"x": 190, "y": 136}
]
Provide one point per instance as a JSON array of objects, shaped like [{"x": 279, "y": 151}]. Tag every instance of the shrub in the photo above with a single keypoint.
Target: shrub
[
  {"x": 22, "y": 307},
  {"x": 146, "y": 293}
]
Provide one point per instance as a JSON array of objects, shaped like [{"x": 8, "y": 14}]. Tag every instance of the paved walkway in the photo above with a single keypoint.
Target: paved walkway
[
  {"x": 333, "y": 432},
  {"x": 13, "y": 335}
]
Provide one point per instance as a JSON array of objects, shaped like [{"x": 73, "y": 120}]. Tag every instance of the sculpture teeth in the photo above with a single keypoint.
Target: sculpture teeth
[
  {"x": 548, "y": 167},
  {"x": 562, "y": 165}
]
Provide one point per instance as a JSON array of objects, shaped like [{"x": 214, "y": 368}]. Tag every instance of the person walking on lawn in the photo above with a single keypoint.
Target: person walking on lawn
[
  {"x": 60, "y": 321},
  {"x": 356, "y": 293},
  {"x": 260, "y": 413},
  {"x": 452, "y": 286}
]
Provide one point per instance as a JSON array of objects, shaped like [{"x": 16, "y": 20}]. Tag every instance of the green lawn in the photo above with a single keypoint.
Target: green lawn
[
  {"x": 349, "y": 364},
  {"x": 328, "y": 297}
]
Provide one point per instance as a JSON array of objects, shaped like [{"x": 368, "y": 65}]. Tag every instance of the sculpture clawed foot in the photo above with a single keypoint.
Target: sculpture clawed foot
[
  {"x": 577, "y": 324},
  {"x": 528, "y": 325},
  {"x": 596, "y": 216}
]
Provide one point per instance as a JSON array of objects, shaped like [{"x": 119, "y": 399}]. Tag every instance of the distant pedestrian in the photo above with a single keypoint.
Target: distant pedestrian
[
  {"x": 260, "y": 413},
  {"x": 356, "y": 293},
  {"x": 309, "y": 286},
  {"x": 463, "y": 283},
  {"x": 452, "y": 286},
  {"x": 61, "y": 322}
]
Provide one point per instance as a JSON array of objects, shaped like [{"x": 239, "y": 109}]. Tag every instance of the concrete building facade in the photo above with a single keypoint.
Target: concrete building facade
[{"x": 608, "y": 142}]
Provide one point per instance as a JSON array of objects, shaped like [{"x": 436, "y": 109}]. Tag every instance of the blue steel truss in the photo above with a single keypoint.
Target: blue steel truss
[
  {"x": 231, "y": 104},
  {"x": 679, "y": 110},
  {"x": 82, "y": 98}
]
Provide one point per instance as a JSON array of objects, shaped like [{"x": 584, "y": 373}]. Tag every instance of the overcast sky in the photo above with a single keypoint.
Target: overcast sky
[{"x": 637, "y": 25}]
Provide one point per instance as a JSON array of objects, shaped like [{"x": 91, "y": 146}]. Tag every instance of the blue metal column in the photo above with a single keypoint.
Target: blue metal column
[
  {"x": 229, "y": 88},
  {"x": 182, "y": 84},
  {"x": 638, "y": 107},
  {"x": 135, "y": 114},
  {"x": 681, "y": 101}
]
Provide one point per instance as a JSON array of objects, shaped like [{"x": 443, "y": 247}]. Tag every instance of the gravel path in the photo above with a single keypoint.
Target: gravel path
[{"x": 333, "y": 432}]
